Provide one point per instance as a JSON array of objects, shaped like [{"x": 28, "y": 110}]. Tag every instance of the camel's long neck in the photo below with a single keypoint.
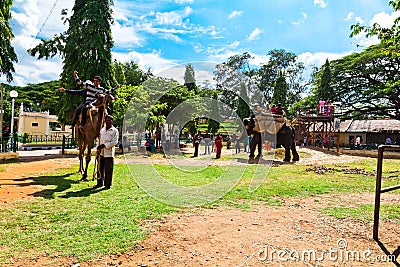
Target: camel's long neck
[{"x": 101, "y": 112}]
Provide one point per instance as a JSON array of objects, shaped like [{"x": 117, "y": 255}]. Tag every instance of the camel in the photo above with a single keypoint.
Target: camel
[{"x": 91, "y": 130}]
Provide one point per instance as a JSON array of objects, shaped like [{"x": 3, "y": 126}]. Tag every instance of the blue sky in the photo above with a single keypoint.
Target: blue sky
[{"x": 161, "y": 34}]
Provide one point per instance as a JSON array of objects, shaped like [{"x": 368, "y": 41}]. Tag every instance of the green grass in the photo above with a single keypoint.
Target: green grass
[
  {"x": 72, "y": 219},
  {"x": 3, "y": 167},
  {"x": 5, "y": 162},
  {"x": 365, "y": 213}
]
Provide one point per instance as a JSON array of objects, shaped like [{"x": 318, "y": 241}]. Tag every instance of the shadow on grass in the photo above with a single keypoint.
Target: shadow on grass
[
  {"x": 265, "y": 162},
  {"x": 82, "y": 193},
  {"x": 61, "y": 182}
]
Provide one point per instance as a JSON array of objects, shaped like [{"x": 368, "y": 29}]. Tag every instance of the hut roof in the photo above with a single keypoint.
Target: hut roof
[{"x": 370, "y": 126}]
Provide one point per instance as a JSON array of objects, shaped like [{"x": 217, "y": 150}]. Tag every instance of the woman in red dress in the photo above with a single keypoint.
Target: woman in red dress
[{"x": 218, "y": 145}]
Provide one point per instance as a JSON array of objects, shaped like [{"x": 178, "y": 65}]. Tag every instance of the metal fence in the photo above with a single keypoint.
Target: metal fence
[
  {"x": 9, "y": 144},
  {"x": 68, "y": 142},
  {"x": 41, "y": 139}
]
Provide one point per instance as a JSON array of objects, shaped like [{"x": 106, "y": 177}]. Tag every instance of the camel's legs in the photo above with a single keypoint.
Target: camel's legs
[
  {"x": 82, "y": 148},
  {"x": 88, "y": 158}
]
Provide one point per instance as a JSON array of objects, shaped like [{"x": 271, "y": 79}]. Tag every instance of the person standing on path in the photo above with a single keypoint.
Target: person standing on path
[
  {"x": 108, "y": 139},
  {"x": 207, "y": 142},
  {"x": 196, "y": 143},
  {"x": 218, "y": 145}
]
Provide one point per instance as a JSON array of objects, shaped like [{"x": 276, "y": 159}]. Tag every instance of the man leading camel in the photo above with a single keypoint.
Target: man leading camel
[{"x": 108, "y": 139}]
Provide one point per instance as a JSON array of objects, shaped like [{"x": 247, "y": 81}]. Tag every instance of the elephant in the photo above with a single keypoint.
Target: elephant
[{"x": 285, "y": 137}]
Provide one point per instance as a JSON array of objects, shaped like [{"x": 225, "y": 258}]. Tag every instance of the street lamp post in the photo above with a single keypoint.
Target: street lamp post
[{"x": 13, "y": 95}]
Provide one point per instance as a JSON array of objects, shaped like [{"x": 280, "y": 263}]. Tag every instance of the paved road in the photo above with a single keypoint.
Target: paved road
[{"x": 38, "y": 153}]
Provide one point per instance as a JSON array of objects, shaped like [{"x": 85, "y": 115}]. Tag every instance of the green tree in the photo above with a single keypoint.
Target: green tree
[
  {"x": 281, "y": 60},
  {"x": 134, "y": 75},
  {"x": 231, "y": 75},
  {"x": 367, "y": 83},
  {"x": 214, "y": 125},
  {"x": 7, "y": 53},
  {"x": 243, "y": 109},
  {"x": 280, "y": 90},
  {"x": 85, "y": 46},
  {"x": 324, "y": 90},
  {"x": 165, "y": 97},
  {"x": 131, "y": 107},
  {"x": 36, "y": 97},
  {"x": 119, "y": 72},
  {"x": 189, "y": 77},
  {"x": 321, "y": 86}
]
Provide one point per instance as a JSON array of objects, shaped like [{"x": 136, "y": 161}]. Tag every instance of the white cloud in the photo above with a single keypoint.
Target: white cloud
[
  {"x": 168, "y": 18},
  {"x": 254, "y": 34},
  {"x": 359, "y": 20},
  {"x": 319, "y": 58},
  {"x": 364, "y": 42},
  {"x": 320, "y": 3},
  {"x": 384, "y": 19},
  {"x": 32, "y": 18},
  {"x": 31, "y": 70},
  {"x": 184, "y": 1},
  {"x": 152, "y": 60},
  {"x": 235, "y": 14},
  {"x": 125, "y": 36},
  {"x": 296, "y": 23},
  {"x": 258, "y": 60},
  {"x": 173, "y": 17},
  {"x": 234, "y": 44},
  {"x": 349, "y": 16}
]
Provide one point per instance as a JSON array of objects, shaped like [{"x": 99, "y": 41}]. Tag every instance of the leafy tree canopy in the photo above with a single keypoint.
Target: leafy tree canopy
[
  {"x": 85, "y": 47},
  {"x": 367, "y": 83},
  {"x": 7, "y": 52}
]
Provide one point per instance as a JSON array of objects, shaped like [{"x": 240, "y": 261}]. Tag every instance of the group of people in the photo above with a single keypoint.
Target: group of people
[
  {"x": 197, "y": 139},
  {"x": 108, "y": 136},
  {"x": 325, "y": 108},
  {"x": 389, "y": 141},
  {"x": 277, "y": 109},
  {"x": 216, "y": 144}
]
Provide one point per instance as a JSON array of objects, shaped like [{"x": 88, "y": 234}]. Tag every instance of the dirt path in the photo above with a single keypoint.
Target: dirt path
[
  {"x": 262, "y": 236},
  {"x": 16, "y": 182}
]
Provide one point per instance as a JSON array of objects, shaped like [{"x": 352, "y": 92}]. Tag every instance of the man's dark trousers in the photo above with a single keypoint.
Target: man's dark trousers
[{"x": 106, "y": 166}]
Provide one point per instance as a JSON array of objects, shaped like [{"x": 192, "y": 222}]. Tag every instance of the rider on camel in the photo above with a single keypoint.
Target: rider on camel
[{"x": 89, "y": 93}]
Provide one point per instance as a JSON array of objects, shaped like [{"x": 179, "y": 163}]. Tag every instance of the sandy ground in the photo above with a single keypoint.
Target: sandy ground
[{"x": 294, "y": 234}]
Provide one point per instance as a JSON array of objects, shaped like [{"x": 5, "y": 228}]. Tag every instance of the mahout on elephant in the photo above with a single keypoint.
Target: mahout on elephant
[{"x": 267, "y": 124}]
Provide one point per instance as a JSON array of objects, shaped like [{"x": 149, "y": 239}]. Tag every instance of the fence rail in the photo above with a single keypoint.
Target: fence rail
[
  {"x": 9, "y": 144},
  {"x": 68, "y": 142},
  {"x": 41, "y": 139},
  {"x": 378, "y": 189}
]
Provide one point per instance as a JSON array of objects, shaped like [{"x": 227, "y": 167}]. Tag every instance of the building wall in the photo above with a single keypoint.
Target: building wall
[
  {"x": 346, "y": 137},
  {"x": 33, "y": 125}
]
